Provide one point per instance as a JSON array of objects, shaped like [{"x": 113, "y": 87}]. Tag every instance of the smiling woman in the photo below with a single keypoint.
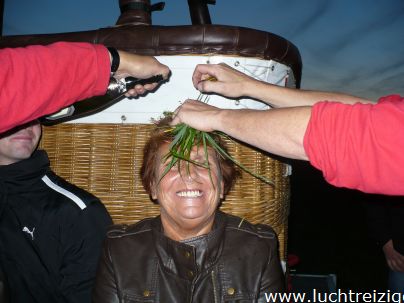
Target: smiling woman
[
  {"x": 192, "y": 252},
  {"x": 188, "y": 194}
]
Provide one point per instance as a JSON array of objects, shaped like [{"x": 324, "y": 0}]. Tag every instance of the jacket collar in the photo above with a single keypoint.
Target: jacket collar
[
  {"x": 189, "y": 258},
  {"x": 22, "y": 175}
]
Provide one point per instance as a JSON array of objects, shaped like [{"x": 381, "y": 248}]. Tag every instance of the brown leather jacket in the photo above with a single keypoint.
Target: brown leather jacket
[{"x": 235, "y": 262}]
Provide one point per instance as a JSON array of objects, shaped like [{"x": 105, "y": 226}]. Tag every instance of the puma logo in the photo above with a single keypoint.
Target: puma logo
[{"x": 31, "y": 233}]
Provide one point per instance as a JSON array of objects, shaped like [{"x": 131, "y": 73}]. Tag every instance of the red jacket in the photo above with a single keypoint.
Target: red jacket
[
  {"x": 39, "y": 80},
  {"x": 359, "y": 146}
]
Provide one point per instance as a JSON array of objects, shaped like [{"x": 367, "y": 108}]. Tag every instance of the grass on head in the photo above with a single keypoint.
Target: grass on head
[{"x": 186, "y": 137}]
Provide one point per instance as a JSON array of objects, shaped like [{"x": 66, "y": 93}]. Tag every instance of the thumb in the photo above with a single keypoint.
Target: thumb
[{"x": 175, "y": 119}]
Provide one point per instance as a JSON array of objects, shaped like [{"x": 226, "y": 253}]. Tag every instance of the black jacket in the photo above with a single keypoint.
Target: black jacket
[
  {"x": 235, "y": 262},
  {"x": 51, "y": 234},
  {"x": 386, "y": 220}
]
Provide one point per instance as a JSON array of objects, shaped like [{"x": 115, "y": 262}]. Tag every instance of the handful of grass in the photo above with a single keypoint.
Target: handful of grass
[{"x": 186, "y": 137}]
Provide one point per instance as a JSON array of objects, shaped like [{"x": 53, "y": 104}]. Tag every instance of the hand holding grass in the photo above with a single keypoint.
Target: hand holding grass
[{"x": 205, "y": 117}]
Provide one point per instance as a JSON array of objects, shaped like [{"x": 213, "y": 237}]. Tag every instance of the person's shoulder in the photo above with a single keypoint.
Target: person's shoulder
[
  {"x": 143, "y": 227},
  {"x": 65, "y": 191},
  {"x": 240, "y": 225}
]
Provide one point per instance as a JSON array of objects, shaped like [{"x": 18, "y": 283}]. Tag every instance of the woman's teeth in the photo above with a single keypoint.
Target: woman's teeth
[{"x": 189, "y": 193}]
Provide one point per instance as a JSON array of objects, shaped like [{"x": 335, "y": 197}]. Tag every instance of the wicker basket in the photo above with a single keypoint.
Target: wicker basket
[{"x": 105, "y": 159}]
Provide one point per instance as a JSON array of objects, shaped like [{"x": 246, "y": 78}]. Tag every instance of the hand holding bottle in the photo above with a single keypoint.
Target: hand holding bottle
[{"x": 141, "y": 67}]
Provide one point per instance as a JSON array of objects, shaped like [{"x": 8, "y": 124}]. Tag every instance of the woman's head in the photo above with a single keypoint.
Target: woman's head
[
  {"x": 188, "y": 194},
  {"x": 151, "y": 159}
]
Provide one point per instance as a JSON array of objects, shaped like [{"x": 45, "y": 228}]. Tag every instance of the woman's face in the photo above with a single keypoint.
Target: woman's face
[{"x": 188, "y": 199}]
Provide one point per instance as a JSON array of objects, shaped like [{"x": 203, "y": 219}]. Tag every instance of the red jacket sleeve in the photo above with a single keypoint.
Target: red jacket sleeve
[
  {"x": 359, "y": 146},
  {"x": 39, "y": 80}
]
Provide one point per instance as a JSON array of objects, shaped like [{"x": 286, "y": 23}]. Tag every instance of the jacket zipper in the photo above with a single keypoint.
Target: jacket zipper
[{"x": 213, "y": 276}]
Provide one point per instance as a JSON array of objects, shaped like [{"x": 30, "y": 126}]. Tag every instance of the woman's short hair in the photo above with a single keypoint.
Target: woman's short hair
[{"x": 158, "y": 138}]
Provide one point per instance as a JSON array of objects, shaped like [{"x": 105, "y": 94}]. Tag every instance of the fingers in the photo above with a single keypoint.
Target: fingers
[
  {"x": 229, "y": 81},
  {"x": 141, "y": 89},
  {"x": 394, "y": 259},
  {"x": 211, "y": 87},
  {"x": 202, "y": 72},
  {"x": 395, "y": 266},
  {"x": 390, "y": 265},
  {"x": 181, "y": 111},
  {"x": 140, "y": 66},
  {"x": 160, "y": 69},
  {"x": 400, "y": 262},
  {"x": 150, "y": 66},
  {"x": 175, "y": 118},
  {"x": 196, "y": 114},
  {"x": 137, "y": 90},
  {"x": 164, "y": 71}
]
